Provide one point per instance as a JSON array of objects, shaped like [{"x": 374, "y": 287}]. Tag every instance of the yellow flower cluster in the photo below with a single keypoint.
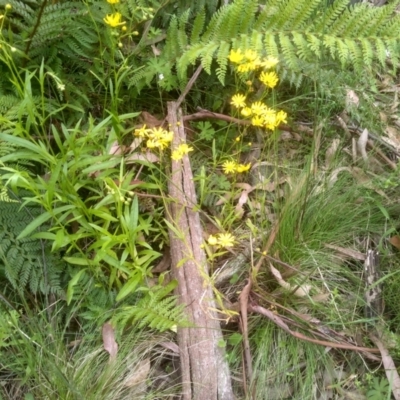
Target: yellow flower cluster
[
  {"x": 251, "y": 61},
  {"x": 156, "y": 137},
  {"x": 221, "y": 240},
  {"x": 231, "y": 167},
  {"x": 260, "y": 114},
  {"x": 180, "y": 151}
]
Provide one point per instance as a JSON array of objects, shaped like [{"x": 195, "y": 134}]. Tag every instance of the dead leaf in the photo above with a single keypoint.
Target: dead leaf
[
  {"x": 301, "y": 291},
  {"x": 395, "y": 241},
  {"x": 239, "y": 211},
  {"x": 135, "y": 143},
  {"x": 146, "y": 156},
  {"x": 171, "y": 346},
  {"x": 362, "y": 144},
  {"x": 156, "y": 51},
  {"x": 393, "y": 137},
  {"x": 150, "y": 120},
  {"x": 116, "y": 149},
  {"x": 139, "y": 374},
  {"x": 321, "y": 298},
  {"x": 110, "y": 345},
  {"x": 350, "y": 253},
  {"x": 352, "y": 100}
]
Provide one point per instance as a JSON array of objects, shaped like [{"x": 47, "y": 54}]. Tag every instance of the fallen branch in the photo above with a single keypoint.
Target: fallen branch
[
  {"x": 279, "y": 322},
  {"x": 205, "y": 371}
]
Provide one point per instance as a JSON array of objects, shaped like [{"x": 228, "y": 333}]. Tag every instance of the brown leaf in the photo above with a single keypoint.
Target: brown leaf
[
  {"x": 347, "y": 252},
  {"x": 110, "y": 345},
  {"x": 139, "y": 374},
  {"x": 352, "y": 100},
  {"x": 147, "y": 156},
  {"x": 116, "y": 149},
  {"x": 393, "y": 137},
  {"x": 395, "y": 241},
  {"x": 150, "y": 120},
  {"x": 171, "y": 346},
  {"x": 239, "y": 211}
]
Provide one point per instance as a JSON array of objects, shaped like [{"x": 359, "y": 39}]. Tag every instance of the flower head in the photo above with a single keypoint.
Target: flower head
[
  {"x": 212, "y": 240},
  {"x": 180, "y": 151},
  {"x": 142, "y": 132},
  {"x": 243, "y": 167},
  {"x": 226, "y": 240},
  {"x": 257, "y": 120},
  {"x": 269, "y": 62},
  {"x": 221, "y": 240},
  {"x": 258, "y": 108},
  {"x": 269, "y": 79},
  {"x": 251, "y": 55},
  {"x": 235, "y": 56},
  {"x": 246, "y": 112},
  {"x": 113, "y": 20},
  {"x": 8, "y": 7},
  {"x": 229, "y": 167},
  {"x": 113, "y": 1},
  {"x": 238, "y": 100}
]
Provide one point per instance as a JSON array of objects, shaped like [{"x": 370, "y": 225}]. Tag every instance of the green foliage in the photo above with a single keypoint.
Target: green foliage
[
  {"x": 379, "y": 389},
  {"x": 26, "y": 262},
  {"x": 89, "y": 201},
  {"x": 298, "y": 33},
  {"x": 155, "y": 309}
]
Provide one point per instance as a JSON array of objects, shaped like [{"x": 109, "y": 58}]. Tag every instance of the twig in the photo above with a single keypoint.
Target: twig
[
  {"x": 188, "y": 86},
  {"x": 243, "y": 300},
  {"x": 278, "y": 321}
]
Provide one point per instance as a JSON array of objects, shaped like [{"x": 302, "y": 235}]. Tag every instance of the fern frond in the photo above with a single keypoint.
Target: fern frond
[
  {"x": 154, "y": 310},
  {"x": 198, "y": 26}
]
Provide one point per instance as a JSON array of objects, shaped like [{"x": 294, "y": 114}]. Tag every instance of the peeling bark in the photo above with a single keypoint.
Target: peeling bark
[{"x": 205, "y": 372}]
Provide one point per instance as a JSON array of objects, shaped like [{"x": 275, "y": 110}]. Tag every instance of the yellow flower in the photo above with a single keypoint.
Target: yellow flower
[
  {"x": 269, "y": 62},
  {"x": 246, "y": 112},
  {"x": 257, "y": 120},
  {"x": 113, "y": 1},
  {"x": 235, "y": 56},
  {"x": 281, "y": 117},
  {"x": 246, "y": 67},
  {"x": 251, "y": 55},
  {"x": 258, "y": 108},
  {"x": 8, "y": 6},
  {"x": 142, "y": 132},
  {"x": 113, "y": 20},
  {"x": 226, "y": 240},
  {"x": 269, "y": 79},
  {"x": 229, "y": 167},
  {"x": 239, "y": 100},
  {"x": 243, "y": 167},
  {"x": 212, "y": 240},
  {"x": 181, "y": 150},
  {"x": 151, "y": 144}
]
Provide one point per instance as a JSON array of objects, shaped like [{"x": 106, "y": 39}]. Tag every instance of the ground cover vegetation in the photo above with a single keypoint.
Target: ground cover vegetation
[{"x": 290, "y": 118}]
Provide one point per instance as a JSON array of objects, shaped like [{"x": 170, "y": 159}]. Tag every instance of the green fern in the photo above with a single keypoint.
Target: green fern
[
  {"x": 27, "y": 262},
  {"x": 157, "y": 310},
  {"x": 296, "y": 32}
]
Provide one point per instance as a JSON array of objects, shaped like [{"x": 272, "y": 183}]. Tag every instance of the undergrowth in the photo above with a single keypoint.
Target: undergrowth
[{"x": 84, "y": 161}]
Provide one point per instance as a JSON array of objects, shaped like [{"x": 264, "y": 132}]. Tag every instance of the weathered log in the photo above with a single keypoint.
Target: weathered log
[{"x": 205, "y": 372}]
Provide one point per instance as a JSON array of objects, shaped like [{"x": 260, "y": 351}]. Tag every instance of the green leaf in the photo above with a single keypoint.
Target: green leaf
[
  {"x": 128, "y": 288},
  {"x": 42, "y": 219},
  {"x": 77, "y": 260},
  {"x": 72, "y": 283}
]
